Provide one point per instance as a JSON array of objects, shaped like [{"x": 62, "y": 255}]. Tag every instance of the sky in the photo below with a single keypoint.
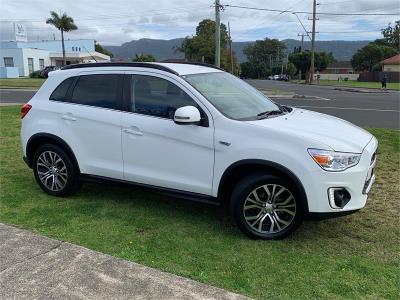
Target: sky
[{"x": 114, "y": 22}]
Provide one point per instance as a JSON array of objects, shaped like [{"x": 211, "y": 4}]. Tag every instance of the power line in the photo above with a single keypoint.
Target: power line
[
  {"x": 310, "y": 13},
  {"x": 305, "y": 30}
]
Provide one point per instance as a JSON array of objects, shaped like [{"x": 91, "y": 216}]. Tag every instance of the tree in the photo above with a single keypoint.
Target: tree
[
  {"x": 391, "y": 35},
  {"x": 366, "y": 58},
  {"x": 201, "y": 47},
  {"x": 302, "y": 60},
  {"x": 64, "y": 23},
  {"x": 291, "y": 70},
  {"x": 99, "y": 48},
  {"x": 264, "y": 55},
  {"x": 144, "y": 58}
]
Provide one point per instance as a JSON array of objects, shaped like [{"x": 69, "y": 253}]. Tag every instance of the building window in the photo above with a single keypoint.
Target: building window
[
  {"x": 41, "y": 63},
  {"x": 79, "y": 48},
  {"x": 349, "y": 71},
  {"x": 30, "y": 65},
  {"x": 8, "y": 62}
]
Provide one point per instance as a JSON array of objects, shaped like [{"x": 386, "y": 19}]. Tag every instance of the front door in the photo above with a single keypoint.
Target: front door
[{"x": 158, "y": 152}]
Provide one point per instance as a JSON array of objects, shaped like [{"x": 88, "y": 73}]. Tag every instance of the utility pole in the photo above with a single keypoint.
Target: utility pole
[
  {"x": 313, "y": 41},
  {"x": 217, "y": 35},
  {"x": 302, "y": 40},
  {"x": 301, "y": 49},
  {"x": 277, "y": 58},
  {"x": 230, "y": 47}
]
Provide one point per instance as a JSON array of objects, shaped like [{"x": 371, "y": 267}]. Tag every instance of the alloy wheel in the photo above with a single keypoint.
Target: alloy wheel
[
  {"x": 269, "y": 208},
  {"x": 52, "y": 171}
]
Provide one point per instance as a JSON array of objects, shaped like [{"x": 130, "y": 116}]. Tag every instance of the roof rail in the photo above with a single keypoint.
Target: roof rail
[
  {"x": 121, "y": 64},
  {"x": 191, "y": 63}
]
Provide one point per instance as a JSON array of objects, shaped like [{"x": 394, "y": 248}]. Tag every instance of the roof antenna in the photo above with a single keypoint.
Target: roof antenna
[{"x": 90, "y": 54}]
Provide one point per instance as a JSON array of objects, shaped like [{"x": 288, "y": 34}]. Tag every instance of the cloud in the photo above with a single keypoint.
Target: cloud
[{"x": 120, "y": 21}]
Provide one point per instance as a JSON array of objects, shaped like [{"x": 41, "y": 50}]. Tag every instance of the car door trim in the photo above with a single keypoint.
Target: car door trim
[{"x": 197, "y": 197}]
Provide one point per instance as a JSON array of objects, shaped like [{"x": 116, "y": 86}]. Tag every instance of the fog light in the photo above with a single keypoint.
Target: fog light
[{"x": 338, "y": 197}]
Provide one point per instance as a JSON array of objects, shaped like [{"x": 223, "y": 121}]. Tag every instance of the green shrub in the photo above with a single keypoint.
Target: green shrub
[{"x": 35, "y": 74}]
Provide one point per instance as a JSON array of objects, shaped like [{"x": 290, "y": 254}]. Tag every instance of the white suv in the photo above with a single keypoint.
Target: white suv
[{"x": 196, "y": 132}]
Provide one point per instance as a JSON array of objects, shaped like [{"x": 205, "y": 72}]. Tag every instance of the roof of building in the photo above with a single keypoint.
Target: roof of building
[
  {"x": 340, "y": 65},
  {"x": 175, "y": 68},
  {"x": 394, "y": 60}
]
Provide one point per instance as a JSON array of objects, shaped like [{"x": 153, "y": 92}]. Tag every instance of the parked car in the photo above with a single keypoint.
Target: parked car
[
  {"x": 45, "y": 72},
  {"x": 275, "y": 77},
  {"x": 174, "y": 128},
  {"x": 283, "y": 77}
]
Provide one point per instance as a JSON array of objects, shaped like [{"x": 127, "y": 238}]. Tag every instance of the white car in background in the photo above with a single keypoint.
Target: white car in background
[{"x": 196, "y": 132}]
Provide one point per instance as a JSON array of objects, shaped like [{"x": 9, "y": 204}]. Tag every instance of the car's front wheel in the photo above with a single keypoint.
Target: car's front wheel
[
  {"x": 54, "y": 171},
  {"x": 266, "y": 206}
]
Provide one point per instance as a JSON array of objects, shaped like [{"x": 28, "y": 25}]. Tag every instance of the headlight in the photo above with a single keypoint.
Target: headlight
[{"x": 334, "y": 161}]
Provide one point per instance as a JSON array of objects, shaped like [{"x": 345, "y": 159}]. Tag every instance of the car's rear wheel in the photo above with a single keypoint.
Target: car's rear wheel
[
  {"x": 266, "y": 206},
  {"x": 54, "y": 171}
]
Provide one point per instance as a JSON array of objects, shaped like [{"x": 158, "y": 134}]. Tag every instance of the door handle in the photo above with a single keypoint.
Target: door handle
[
  {"x": 68, "y": 117},
  {"x": 133, "y": 131}
]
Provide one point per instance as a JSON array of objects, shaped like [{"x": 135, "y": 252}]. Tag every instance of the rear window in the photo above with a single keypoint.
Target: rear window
[
  {"x": 60, "y": 93},
  {"x": 96, "y": 90}
]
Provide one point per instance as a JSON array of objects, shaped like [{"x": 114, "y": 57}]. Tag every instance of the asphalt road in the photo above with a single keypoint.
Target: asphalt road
[
  {"x": 373, "y": 109},
  {"x": 367, "y": 109},
  {"x": 15, "y": 95}
]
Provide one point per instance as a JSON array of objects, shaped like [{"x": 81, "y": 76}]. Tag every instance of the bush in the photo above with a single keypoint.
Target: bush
[{"x": 35, "y": 74}]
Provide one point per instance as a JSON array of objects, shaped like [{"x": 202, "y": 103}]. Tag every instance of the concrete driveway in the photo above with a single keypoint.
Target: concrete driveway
[{"x": 36, "y": 267}]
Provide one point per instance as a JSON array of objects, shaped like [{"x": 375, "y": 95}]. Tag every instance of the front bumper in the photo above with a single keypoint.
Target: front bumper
[{"x": 357, "y": 180}]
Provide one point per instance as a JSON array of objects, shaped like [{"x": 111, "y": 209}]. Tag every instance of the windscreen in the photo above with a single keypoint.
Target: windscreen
[{"x": 231, "y": 96}]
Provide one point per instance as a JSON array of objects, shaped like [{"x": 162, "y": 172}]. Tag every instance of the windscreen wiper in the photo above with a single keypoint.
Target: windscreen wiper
[{"x": 268, "y": 113}]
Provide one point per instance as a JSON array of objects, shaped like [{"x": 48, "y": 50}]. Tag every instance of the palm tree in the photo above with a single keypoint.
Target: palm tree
[{"x": 64, "y": 23}]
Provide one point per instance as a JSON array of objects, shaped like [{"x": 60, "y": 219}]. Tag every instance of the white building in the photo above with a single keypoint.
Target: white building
[{"x": 20, "y": 58}]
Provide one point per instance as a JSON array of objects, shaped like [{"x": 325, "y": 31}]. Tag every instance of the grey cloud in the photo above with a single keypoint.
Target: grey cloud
[{"x": 117, "y": 21}]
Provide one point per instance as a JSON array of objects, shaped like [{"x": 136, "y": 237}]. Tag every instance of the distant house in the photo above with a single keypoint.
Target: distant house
[
  {"x": 19, "y": 59},
  {"x": 391, "y": 64},
  {"x": 339, "y": 70}
]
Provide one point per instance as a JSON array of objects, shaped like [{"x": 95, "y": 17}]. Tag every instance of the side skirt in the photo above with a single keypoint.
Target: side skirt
[{"x": 161, "y": 190}]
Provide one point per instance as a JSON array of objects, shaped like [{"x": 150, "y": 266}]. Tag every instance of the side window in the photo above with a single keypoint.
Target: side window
[
  {"x": 97, "y": 90},
  {"x": 157, "y": 97},
  {"x": 60, "y": 93}
]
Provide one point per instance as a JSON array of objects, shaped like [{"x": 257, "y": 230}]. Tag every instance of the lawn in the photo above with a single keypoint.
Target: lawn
[
  {"x": 29, "y": 83},
  {"x": 355, "y": 256},
  {"x": 358, "y": 84}
]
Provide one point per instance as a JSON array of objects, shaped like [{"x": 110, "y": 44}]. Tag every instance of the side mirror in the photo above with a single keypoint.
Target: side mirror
[{"x": 187, "y": 115}]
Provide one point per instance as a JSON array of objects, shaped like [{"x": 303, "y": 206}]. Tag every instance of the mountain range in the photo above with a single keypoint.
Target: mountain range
[{"x": 166, "y": 49}]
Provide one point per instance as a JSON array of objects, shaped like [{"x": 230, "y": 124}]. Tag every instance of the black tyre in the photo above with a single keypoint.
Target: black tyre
[
  {"x": 266, "y": 207},
  {"x": 54, "y": 171}
]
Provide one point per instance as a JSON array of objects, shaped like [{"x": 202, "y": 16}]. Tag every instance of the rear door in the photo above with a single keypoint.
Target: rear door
[
  {"x": 158, "y": 152},
  {"x": 90, "y": 119}
]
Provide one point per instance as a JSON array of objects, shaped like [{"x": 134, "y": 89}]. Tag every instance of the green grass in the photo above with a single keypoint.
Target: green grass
[
  {"x": 358, "y": 84},
  {"x": 350, "y": 257},
  {"x": 31, "y": 83}
]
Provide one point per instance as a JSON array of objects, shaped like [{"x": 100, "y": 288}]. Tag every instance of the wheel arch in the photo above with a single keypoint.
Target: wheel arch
[
  {"x": 239, "y": 169},
  {"x": 38, "y": 139}
]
